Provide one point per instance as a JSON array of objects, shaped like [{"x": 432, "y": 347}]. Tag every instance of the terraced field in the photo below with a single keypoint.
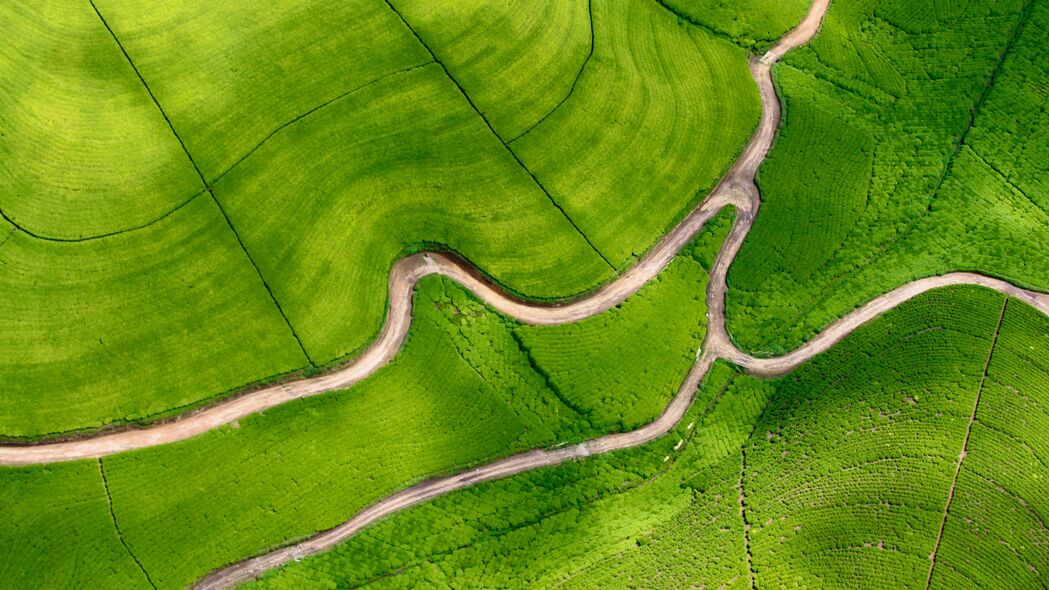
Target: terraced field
[{"x": 340, "y": 156}]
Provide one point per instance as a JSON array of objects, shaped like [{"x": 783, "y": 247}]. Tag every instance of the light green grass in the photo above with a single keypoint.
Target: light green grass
[
  {"x": 867, "y": 186},
  {"x": 517, "y": 60},
  {"x": 855, "y": 449},
  {"x": 660, "y": 112},
  {"x": 230, "y": 73},
  {"x": 756, "y": 24},
  {"x": 57, "y": 531},
  {"x": 129, "y": 326},
  {"x": 416, "y": 167},
  {"x": 83, "y": 149}
]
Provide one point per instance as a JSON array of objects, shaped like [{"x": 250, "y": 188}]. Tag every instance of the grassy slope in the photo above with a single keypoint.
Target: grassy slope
[
  {"x": 416, "y": 163},
  {"x": 132, "y": 325},
  {"x": 462, "y": 391},
  {"x": 870, "y": 451},
  {"x": 65, "y": 173},
  {"x": 229, "y": 73},
  {"x": 867, "y": 186},
  {"x": 58, "y": 532},
  {"x": 752, "y": 23},
  {"x": 661, "y": 110},
  {"x": 517, "y": 60}
]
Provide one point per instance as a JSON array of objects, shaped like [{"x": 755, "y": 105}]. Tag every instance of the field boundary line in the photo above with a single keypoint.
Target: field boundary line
[
  {"x": 204, "y": 182},
  {"x": 736, "y": 189},
  {"x": 974, "y": 111},
  {"x": 506, "y": 145},
  {"x": 743, "y": 511},
  {"x": 571, "y": 89},
  {"x": 965, "y": 446},
  {"x": 116, "y": 527},
  {"x": 548, "y": 380},
  {"x": 33, "y": 234}
]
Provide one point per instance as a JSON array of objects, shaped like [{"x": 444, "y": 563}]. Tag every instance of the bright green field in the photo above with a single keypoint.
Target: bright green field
[
  {"x": 80, "y": 319},
  {"x": 333, "y": 146},
  {"x": 465, "y": 389},
  {"x": 845, "y": 477},
  {"x": 517, "y": 59},
  {"x": 912, "y": 145},
  {"x": 58, "y": 532},
  {"x": 83, "y": 149},
  {"x": 756, "y": 24}
]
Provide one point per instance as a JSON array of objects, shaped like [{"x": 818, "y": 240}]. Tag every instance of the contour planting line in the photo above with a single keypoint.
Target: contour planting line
[
  {"x": 313, "y": 110},
  {"x": 204, "y": 182},
  {"x": 974, "y": 111},
  {"x": 737, "y": 189},
  {"x": 409, "y": 270},
  {"x": 35, "y": 235},
  {"x": 571, "y": 89},
  {"x": 488, "y": 124}
]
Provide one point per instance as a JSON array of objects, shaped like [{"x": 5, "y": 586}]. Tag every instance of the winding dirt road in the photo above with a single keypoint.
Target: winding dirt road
[{"x": 737, "y": 190}]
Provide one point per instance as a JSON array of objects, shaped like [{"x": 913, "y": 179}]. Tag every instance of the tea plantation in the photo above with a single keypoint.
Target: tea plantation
[
  {"x": 835, "y": 476},
  {"x": 237, "y": 183},
  {"x": 469, "y": 386},
  {"x": 199, "y": 199},
  {"x": 913, "y": 144}
]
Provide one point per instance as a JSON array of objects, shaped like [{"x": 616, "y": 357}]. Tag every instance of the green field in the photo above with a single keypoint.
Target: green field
[
  {"x": 197, "y": 199},
  {"x": 332, "y": 145},
  {"x": 677, "y": 105},
  {"x": 468, "y": 387},
  {"x": 80, "y": 317},
  {"x": 753, "y": 24},
  {"x": 912, "y": 144},
  {"x": 83, "y": 149},
  {"x": 847, "y": 466},
  {"x": 58, "y": 532}
]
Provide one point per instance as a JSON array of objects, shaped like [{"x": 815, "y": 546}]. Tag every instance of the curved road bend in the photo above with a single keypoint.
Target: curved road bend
[{"x": 737, "y": 189}]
